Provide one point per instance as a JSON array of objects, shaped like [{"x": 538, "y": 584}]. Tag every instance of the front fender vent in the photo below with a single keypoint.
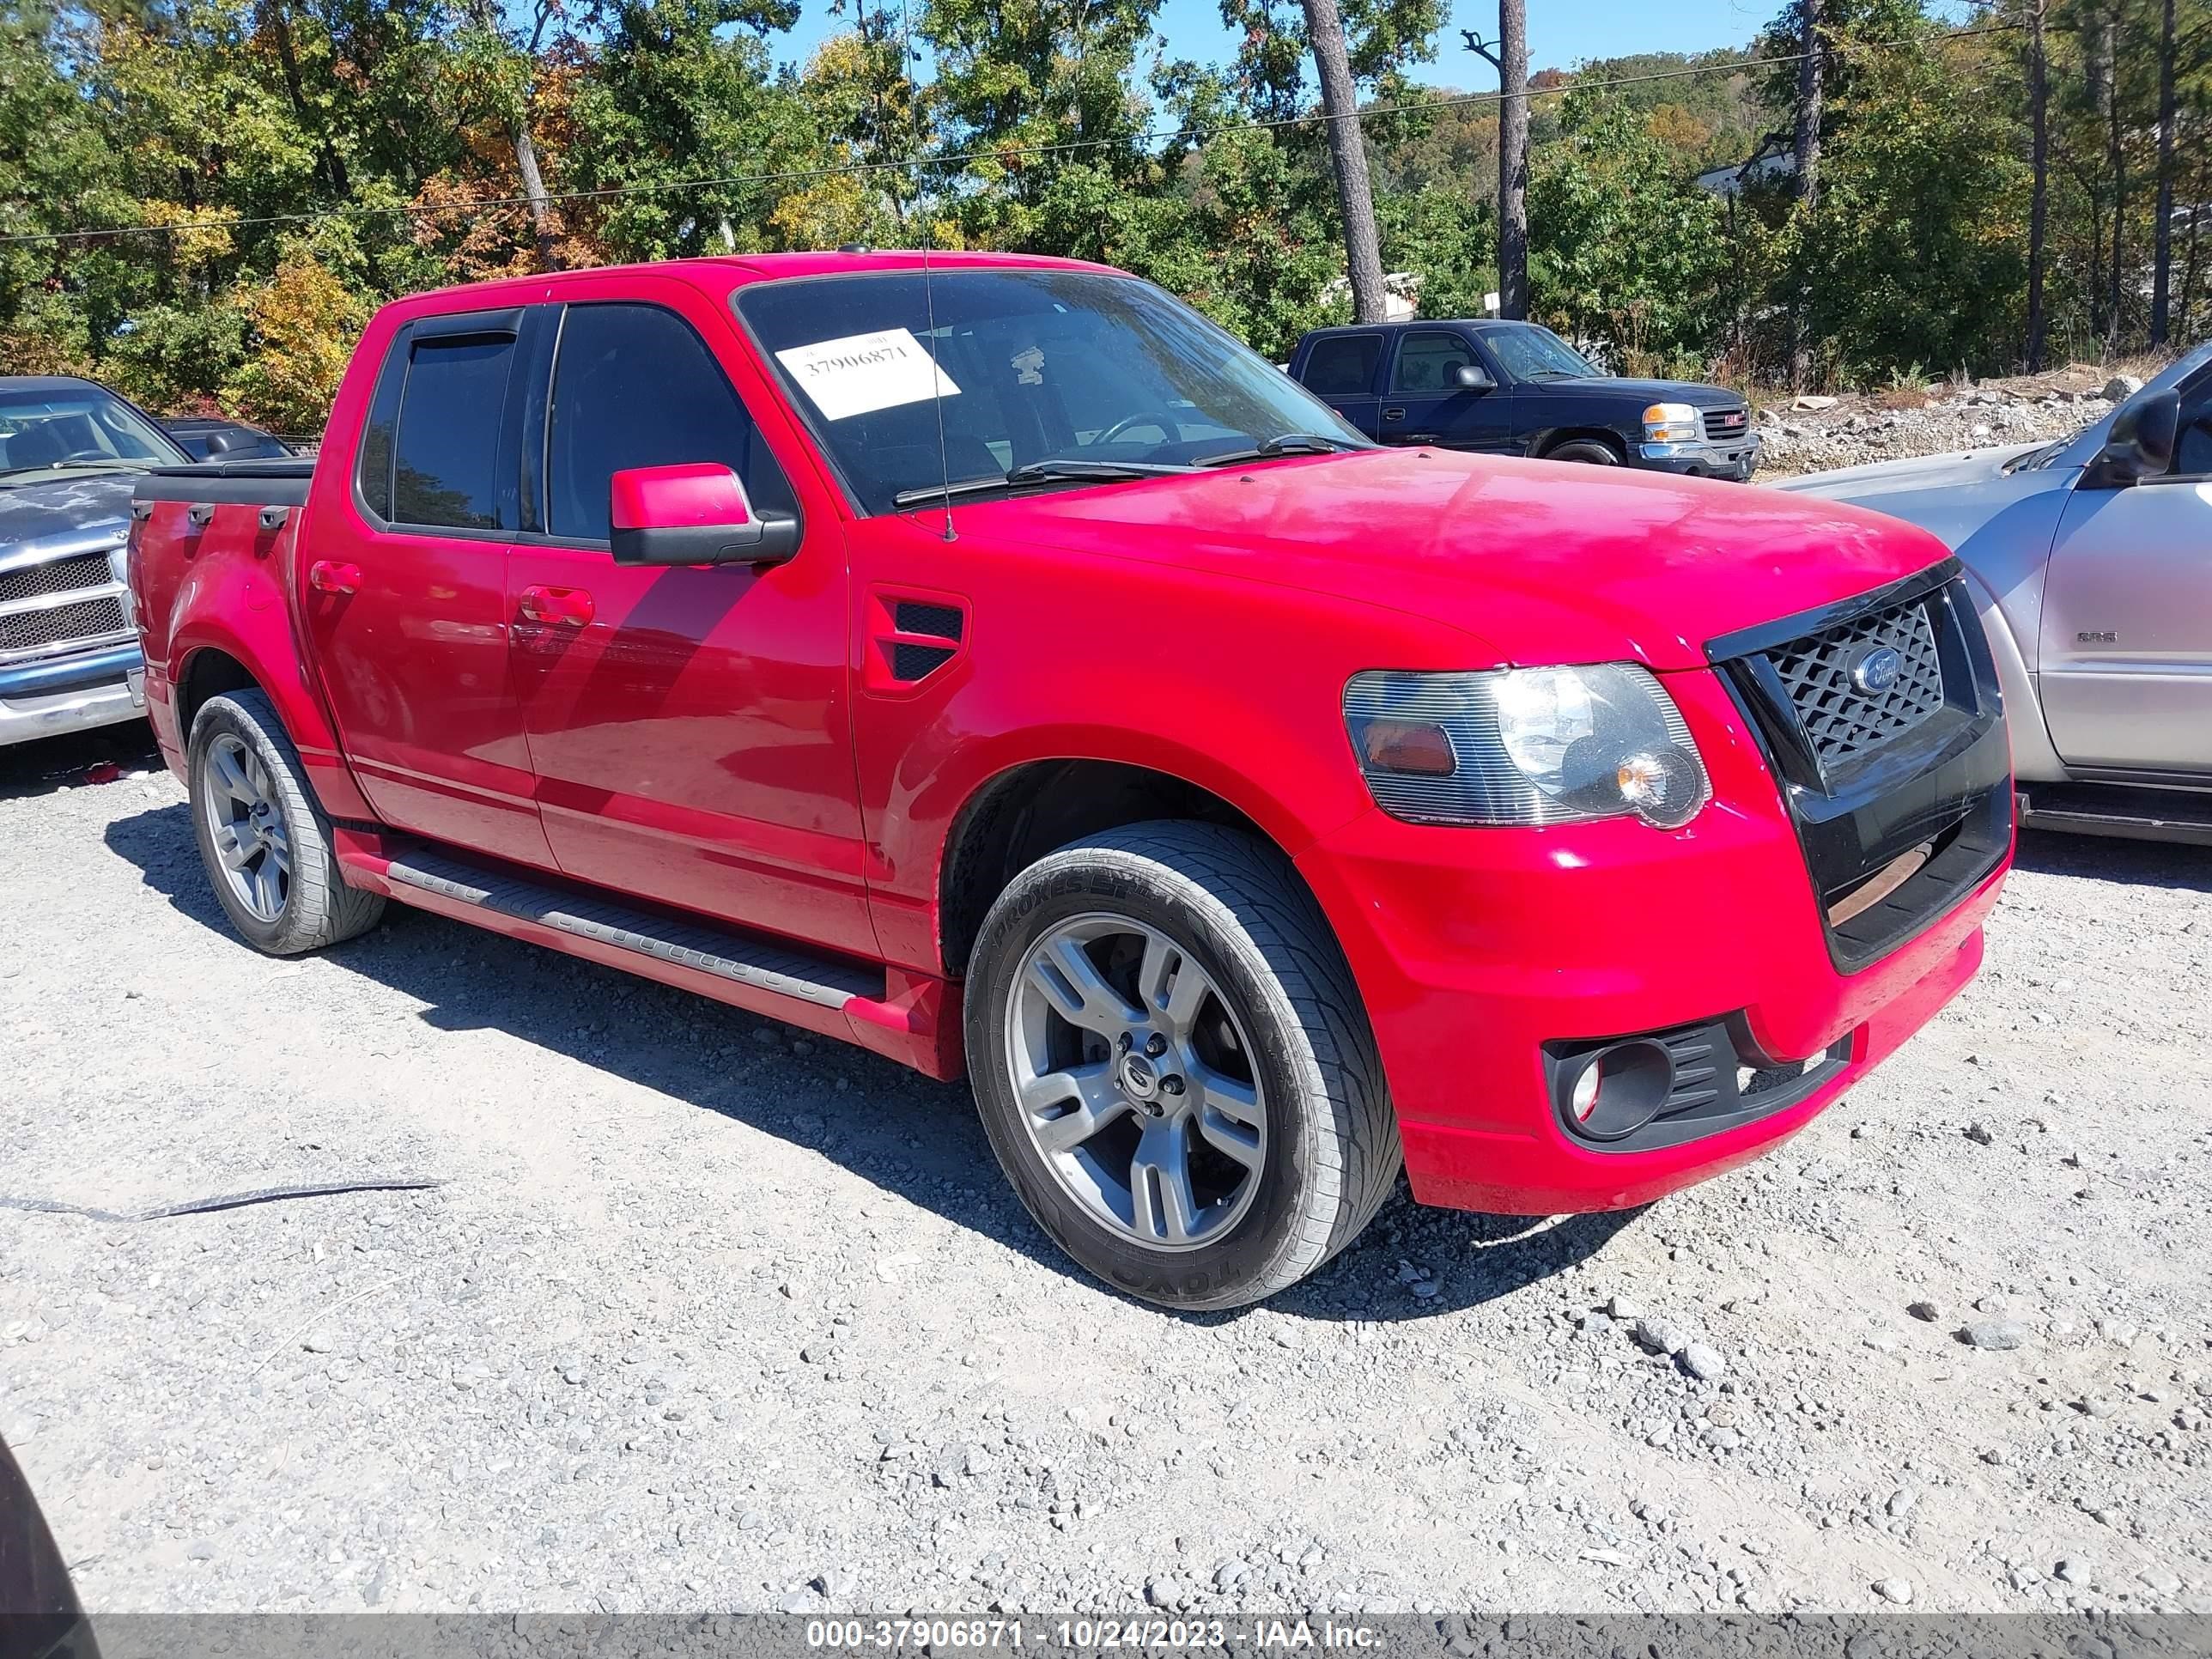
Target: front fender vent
[
  {"x": 912, "y": 638},
  {"x": 910, "y": 661}
]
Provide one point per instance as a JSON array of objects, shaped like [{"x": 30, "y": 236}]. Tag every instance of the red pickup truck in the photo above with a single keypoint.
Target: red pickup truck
[{"x": 989, "y": 661}]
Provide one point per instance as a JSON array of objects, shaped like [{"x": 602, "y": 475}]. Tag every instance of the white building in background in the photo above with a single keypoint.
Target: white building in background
[{"x": 1401, "y": 294}]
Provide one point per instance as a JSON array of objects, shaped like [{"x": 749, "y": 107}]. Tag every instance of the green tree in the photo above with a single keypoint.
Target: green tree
[{"x": 1624, "y": 250}]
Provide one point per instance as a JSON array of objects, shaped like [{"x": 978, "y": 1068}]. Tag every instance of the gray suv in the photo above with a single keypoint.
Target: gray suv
[
  {"x": 70, "y": 453},
  {"x": 2091, "y": 561}
]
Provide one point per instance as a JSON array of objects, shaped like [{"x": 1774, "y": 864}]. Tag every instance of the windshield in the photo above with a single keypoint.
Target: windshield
[
  {"x": 1036, "y": 371},
  {"x": 1532, "y": 352},
  {"x": 77, "y": 427}
]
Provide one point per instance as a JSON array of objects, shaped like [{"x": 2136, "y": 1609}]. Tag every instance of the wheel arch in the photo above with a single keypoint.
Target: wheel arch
[
  {"x": 1024, "y": 809},
  {"x": 2035, "y": 758},
  {"x": 1567, "y": 434},
  {"x": 211, "y": 652}
]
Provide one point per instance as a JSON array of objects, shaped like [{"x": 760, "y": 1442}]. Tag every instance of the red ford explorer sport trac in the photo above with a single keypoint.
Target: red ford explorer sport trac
[{"x": 989, "y": 661}]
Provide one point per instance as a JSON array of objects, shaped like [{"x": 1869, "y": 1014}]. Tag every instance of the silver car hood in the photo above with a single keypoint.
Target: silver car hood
[
  {"x": 1957, "y": 497},
  {"x": 1916, "y": 473}
]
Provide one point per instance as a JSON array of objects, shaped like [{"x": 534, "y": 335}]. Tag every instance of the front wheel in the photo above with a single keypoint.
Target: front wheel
[
  {"x": 1174, "y": 1067},
  {"x": 262, "y": 834}
]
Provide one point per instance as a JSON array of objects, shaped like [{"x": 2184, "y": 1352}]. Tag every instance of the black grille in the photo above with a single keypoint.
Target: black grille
[
  {"x": 1722, "y": 424},
  {"x": 1841, "y": 720},
  {"x": 87, "y": 619},
  {"x": 911, "y": 662},
  {"x": 55, "y": 577},
  {"x": 940, "y": 620}
]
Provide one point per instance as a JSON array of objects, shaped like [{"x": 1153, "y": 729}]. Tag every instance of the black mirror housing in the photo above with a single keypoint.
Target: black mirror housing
[
  {"x": 2142, "y": 442},
  {"x": 772, "y": 538}
]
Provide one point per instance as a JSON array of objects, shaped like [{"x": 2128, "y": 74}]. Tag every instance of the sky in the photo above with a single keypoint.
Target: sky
[{"x": 1561, "y": 33}]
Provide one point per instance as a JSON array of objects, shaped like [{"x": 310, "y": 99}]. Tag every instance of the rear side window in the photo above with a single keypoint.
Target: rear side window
[
  {"x": 372, "y": 465},
  {"x": 1343, "y": 365},
  {"x": 634, "y": 387},
  {"x": 447, "y": 450},
  {"x": 1429, "y": 361}
]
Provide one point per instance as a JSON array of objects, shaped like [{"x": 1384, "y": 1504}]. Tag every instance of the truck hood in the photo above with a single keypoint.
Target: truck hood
[
  {"x": 1539, "y": 561},
  {"x": 1645, "y": 392},
  {"x": 61, "y": 507}
]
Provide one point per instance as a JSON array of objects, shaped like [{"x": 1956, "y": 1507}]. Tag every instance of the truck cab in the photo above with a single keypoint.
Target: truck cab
[{"x": 1514, "y": 388}]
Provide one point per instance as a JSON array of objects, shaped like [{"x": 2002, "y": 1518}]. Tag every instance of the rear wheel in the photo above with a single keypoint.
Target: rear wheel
[
  {"x": 1174, "y": 1067},
  {"x": 1592, "y": 451},
  {"x": 262, "y": 837}
]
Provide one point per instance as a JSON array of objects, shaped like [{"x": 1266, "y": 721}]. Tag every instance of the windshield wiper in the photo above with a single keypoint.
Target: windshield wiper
[
  {"x": 1283, "y": 443},
  {"x": 106, "y": 464},
  {"x": 1045, "y": 471}
]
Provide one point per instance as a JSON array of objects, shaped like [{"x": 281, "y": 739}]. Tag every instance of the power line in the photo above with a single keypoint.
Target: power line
[{"x": 996, "y": 152}]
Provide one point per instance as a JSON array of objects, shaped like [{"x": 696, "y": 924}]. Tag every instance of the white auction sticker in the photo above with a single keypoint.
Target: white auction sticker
[{"x": 863, "y": 372}]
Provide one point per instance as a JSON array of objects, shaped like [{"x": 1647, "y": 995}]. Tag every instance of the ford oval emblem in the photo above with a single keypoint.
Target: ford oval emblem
[{"x": 1876, "y": 671}]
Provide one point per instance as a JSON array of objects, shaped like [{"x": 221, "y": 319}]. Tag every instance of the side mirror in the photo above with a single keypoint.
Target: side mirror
[
  {"x": 694, "y": 514},
  {"x": 219, "y": 443},
  {"x": 1471, "y": 378},
  {"x": 2142, "y": 442}
]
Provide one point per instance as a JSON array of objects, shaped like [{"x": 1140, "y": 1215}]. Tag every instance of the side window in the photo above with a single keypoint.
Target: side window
[
  {"x": 634, "y": 387},
  {"x": 1343, "y": 365},
  {"x": 447, "y": 450},
  {"x": 1430, "y": 361},
  {"x": 2192, "y": 451},
  {"x": 372, "y": 465}
]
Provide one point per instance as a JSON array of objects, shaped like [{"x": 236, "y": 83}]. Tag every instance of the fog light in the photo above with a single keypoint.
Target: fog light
[{"x": 1620, "y": 1088}]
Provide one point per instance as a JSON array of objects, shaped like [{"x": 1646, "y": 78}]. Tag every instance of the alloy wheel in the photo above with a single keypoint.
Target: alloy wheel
[
  {"x": 245, "y": 826},
  {"x": 1136, "y": 1081}
]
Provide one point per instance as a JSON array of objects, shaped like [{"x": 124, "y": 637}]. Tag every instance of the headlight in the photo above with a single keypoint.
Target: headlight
[
  {"x": 1672, "y": 423},
  {"x": 1525, "y": 746}
]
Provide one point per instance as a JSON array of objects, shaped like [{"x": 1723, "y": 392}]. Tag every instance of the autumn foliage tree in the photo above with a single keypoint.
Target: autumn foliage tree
[{"x": 2037, "y": 181}]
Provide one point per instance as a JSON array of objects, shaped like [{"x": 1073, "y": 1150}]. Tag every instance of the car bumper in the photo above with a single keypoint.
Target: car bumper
[
  {"x": 70, "y": 694},
  {"x": 1479, "y": 953},
  {"x": 1738, "y": 458}
]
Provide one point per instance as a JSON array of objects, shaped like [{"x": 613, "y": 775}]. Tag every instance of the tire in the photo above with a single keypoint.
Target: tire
[
  {"x": 282, "y": 845},
  {"x": 1275, "y": 1029},
  {"x": 1592, "y": 451}
]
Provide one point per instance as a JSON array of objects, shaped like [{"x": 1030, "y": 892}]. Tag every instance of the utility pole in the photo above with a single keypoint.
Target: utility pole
[{"x": 1508, "y": 56}]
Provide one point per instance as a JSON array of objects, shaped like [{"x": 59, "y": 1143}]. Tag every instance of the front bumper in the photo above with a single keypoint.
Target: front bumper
[
  {"x": 1737, "y": 457},
  {"x": 55, "y": 696},
  {"x": 1477, "y": 951}
]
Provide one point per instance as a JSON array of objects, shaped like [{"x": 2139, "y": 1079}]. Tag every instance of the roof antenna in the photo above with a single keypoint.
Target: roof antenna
[
  {"x": 937, "y": 392},
  {"x": 928, "y": 292}
]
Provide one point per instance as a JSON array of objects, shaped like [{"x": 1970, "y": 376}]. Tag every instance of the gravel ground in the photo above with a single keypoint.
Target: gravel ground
[{"x": 709, "y": 1316}]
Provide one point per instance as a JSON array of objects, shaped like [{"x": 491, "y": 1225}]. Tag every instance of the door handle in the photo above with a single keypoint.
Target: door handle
[
  {"x": 571, "y": 607},
  {"x": 1393, "y": 414},
  {"x": 328, "y": 576}
]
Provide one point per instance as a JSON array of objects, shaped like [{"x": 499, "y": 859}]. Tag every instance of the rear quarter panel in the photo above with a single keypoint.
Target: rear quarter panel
[{"x": 227, "y": 586}]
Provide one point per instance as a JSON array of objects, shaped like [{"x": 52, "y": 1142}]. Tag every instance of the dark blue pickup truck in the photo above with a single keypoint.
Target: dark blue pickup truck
[{"x": 1519, "y": 389}]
